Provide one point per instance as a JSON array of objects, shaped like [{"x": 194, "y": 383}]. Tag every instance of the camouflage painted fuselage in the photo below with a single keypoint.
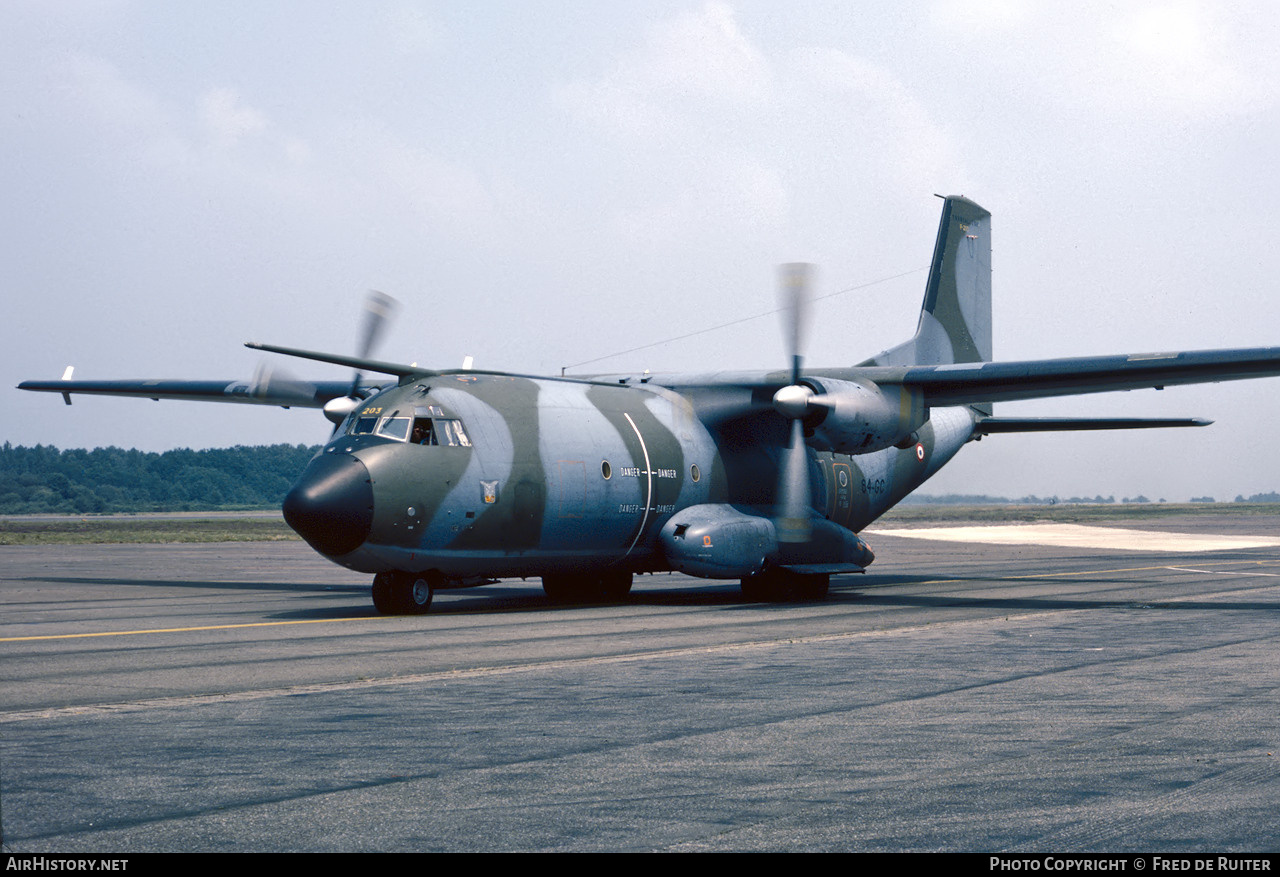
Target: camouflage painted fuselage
[
  {"x": 573, "y": 476},
  {"x": 446, "y": 479}
]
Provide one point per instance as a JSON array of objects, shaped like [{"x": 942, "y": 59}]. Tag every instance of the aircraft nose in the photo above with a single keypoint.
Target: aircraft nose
[{"x": 331, "y": 504}]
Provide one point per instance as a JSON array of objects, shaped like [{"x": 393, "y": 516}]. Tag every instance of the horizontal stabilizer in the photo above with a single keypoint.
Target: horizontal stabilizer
[{"x": 993, "y": 425}]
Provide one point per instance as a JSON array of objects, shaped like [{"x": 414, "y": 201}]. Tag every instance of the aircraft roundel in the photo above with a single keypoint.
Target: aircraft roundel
[{"x": 920, "y": 452}]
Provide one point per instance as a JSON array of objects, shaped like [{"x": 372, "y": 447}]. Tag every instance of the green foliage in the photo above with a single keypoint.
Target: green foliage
[
  {"x": 44, "y": 480},
  {"x": 971, "y": 499},
  {"x": 1260, "y": 497}
]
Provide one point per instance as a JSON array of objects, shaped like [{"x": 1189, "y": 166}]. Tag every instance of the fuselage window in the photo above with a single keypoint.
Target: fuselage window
[{"x": 450, "y": 432}]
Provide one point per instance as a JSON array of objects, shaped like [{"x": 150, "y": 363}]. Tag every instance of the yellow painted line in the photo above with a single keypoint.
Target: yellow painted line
[
  {"x": 1224, "y": 572},
  {"x": 996, "y": 578},
  {"x": 24, "y": 639}
]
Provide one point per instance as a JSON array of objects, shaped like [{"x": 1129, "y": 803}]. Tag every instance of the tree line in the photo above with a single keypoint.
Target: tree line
[
  {"x": 44, "y": 480},
  {"x": 985, "y": 499}
]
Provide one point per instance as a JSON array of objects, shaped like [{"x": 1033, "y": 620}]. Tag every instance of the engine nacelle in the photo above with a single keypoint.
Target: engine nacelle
[
  {"x": 337, "y": 409},
  {"x": 861, "y": 417},
  {"x": 716, "y": 541}
]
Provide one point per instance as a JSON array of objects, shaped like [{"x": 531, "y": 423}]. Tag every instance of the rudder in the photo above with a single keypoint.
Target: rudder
[{"x": 955, "y": 319}]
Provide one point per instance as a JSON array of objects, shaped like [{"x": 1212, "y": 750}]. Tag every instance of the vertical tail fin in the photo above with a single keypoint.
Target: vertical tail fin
[{"x": 955, "y": 319}]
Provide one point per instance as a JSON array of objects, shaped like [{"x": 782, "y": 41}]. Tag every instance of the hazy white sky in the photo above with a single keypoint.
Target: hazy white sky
[{"x": 543, "y": 183}]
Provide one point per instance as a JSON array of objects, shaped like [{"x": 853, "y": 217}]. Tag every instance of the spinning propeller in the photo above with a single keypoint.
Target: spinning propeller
[
  {"x": 793, "y": 402},
  {"x": 797, "y": 401},
  {"x": 378, "y": 308},
  {"x": 279, "y": 386},
  {"x": 273, "y": 385}
]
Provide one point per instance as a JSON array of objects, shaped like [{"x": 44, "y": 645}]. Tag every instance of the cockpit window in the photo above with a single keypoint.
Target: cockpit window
[
  {"x": 423, "y": 434},
  {"x": 445, "y": 431},
  {"x": 395, "y": 427},
  {"x": 364, "y": 425}
]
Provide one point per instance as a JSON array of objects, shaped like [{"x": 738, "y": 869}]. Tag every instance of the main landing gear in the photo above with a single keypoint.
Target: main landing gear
[
  {"x": 604, "y": 587},
  {"x": 775, "y": 585},
  {"x": 403, "y": 593}
]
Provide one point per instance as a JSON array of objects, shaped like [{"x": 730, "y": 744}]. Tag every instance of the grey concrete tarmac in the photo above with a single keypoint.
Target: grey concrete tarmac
[{"x": 959, "y": 697}]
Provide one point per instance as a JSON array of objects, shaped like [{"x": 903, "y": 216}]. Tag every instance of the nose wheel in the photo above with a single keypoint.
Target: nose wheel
[{"x": 402, "y": 593}]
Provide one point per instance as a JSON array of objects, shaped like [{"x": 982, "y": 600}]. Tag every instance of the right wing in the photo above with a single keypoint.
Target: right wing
[
  {"x": 994, "y": 425},
  {"x": 972, "y": 382}
]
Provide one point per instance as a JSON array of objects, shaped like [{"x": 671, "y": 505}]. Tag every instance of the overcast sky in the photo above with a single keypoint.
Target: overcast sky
[{"x": 543, "y": 183}]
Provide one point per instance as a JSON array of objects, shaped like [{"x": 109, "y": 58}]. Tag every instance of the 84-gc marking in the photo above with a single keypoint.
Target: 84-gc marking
[{"x": 874, "y": 486}]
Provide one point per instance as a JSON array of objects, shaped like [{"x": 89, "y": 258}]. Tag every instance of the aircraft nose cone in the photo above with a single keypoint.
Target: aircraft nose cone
[{"x": 331, "y": 504}]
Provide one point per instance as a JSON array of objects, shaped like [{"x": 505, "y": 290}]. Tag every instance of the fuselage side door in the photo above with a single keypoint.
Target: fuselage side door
[{"x": 840, "y": 494}]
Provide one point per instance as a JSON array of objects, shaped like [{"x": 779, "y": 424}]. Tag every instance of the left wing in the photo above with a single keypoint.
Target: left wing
[
  {"x": 284, "y": 393},
  {"x": 271, "y": 385}
]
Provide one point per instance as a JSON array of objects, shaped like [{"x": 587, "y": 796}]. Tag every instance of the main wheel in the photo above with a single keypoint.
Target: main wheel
[
  {"x": 615, "y": 585},
  {"x": 778, "y": 585},
  {"x": 811, "y": 587},
  {"x": 562, "y": 588}
]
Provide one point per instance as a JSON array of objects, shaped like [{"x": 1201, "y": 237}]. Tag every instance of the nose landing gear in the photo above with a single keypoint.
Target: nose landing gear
[{"x": 403, "y": 593}]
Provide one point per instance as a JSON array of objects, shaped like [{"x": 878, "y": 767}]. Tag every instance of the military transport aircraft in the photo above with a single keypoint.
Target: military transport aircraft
[{"x": 445, "y": 479}]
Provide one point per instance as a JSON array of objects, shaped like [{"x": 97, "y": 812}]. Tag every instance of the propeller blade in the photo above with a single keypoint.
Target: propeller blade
[
  {"x": 794, "y": 298},
  {"x": 792, "y": 402},
  {"x": 793, "y": 492},
  {"x": 276, "y": 385},
  {"x": 378, "y": 308}
]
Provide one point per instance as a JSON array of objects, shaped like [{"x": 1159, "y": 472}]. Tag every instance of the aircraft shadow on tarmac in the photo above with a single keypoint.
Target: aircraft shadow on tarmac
[
  {"x": 860, "y": 590},
  {"x": 844, "y": 590},
  {"x": 202, "y": 585},
  {"x": 500, "y": 599}
]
